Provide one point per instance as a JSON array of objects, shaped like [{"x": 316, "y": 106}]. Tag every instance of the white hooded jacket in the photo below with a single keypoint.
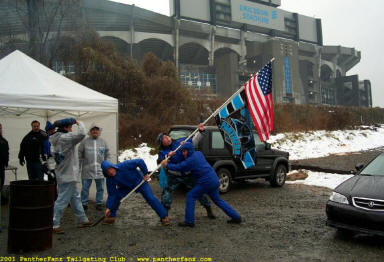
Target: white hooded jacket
[
  {"x": 64, "y": 143},
  {"x": 91, "y": 153}
]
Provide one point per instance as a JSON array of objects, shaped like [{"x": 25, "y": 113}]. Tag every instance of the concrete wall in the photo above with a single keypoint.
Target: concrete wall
[
  {"x": 227, "y": 78},
  {"x": 347, "y": 91}
]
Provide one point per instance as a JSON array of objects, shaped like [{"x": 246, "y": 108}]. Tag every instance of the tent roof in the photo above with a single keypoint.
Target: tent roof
[{"x": 25, "y": 83}]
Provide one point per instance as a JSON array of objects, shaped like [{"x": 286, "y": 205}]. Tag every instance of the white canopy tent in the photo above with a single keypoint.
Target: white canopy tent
[{"x": 31, "y": 91}]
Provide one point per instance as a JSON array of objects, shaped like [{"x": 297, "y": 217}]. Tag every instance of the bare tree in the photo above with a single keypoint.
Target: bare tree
[{"x": 43, "y": 22}]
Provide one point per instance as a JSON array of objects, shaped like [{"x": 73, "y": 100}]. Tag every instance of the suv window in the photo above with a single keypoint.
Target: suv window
[
  {"x": 176, "y": 134},
  {"x": 258, "y": 144},
  {"x": 217, "y": 140}
]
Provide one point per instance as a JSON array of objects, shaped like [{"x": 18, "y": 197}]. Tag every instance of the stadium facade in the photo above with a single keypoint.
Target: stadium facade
[{"x": 217, "y": 44}]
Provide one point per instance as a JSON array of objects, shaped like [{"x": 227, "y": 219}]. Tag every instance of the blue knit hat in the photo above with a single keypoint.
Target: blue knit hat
[
  {"x": 48, "y": 126},
  {"x": 160, "y": 138}
]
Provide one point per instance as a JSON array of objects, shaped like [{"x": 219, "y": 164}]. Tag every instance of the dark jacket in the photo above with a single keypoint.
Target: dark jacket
[
  {"x": 32, "y": 146},
  {"x": 4, "y": 151},
  {"x": 197, "y": 165},
  {"x": 126, "y": 178}
]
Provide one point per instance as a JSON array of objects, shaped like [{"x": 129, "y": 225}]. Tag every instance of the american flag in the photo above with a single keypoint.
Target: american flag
[{"x": 258, "y": 90}]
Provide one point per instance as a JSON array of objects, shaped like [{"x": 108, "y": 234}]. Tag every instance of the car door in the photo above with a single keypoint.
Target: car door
[
  {"x": 264, "y": 157},
  {"x": 218, "y": 151}
]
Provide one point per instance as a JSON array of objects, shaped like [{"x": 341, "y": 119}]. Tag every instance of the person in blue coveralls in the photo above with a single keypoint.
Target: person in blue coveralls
[
  {"x": 207, "y": 182},
  {"x": 121, "y": 179},
  {"x": 175, "y": 179}
]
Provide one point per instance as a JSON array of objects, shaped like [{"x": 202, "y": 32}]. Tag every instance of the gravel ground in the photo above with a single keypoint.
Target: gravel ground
[{"x": 280, "y": 224}]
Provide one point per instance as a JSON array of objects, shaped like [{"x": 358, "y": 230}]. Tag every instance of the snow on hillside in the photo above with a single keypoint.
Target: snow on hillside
[{"x": 323, "y": 143}]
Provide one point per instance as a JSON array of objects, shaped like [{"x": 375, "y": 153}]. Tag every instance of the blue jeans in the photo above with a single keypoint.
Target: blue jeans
[
  {"x": 35, "y": 170},
  {"x": 212, "y": 189},
  {"x": 174, "y": 182},
  {"x": 86, "y": 184},
  {"x": 146, "y": 191},
  {"x": 68, "y": 194}
]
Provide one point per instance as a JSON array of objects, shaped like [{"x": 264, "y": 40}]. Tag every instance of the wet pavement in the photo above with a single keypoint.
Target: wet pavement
[
  {"x": 342, "y": 163},
  {"x": 280, "y": 224}
]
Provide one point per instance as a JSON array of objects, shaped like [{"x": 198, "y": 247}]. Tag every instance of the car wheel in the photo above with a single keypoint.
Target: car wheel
[
  {"x": 278, "y": 178},
  {"x": 225, "y": 179}
]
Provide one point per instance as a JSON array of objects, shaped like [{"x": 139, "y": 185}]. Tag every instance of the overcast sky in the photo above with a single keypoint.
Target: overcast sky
[{"x": 349, "y": 23}]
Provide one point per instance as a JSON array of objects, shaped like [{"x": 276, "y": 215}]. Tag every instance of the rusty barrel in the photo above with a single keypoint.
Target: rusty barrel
[{"x": 30, "y": 216}]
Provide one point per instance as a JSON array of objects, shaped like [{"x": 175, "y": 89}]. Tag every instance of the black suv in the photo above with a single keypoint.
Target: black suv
[{"x": 271, "y": 164}]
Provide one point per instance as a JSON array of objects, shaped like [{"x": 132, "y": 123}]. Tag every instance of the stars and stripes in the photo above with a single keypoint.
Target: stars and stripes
[
  {"x": 259, "y": 96},
  {"x": 250, "y": 106}
]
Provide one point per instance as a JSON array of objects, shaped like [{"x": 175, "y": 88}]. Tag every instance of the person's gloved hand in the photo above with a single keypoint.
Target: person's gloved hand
[
  {"x": 21, "y": 161},
  {"x": 65, "y": 122}
]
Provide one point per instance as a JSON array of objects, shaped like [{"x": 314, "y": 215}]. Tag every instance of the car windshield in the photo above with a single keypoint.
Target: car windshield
[
  {"x": 376, "y": 167},
  {"x": 176, "y": 134}
]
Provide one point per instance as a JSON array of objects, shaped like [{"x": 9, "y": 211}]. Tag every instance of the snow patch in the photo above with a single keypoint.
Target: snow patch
[
  {"x": 143, "y": 152},
  {"x": 303, "y": 145},
  {"x": 321, "y": 179}
]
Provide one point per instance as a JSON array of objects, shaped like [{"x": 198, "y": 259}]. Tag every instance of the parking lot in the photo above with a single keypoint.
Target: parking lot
[{"x": 280, "y": 224}]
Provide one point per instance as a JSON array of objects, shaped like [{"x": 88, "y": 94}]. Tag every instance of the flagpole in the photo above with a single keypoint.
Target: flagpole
[{"x": 191, "y": 135}]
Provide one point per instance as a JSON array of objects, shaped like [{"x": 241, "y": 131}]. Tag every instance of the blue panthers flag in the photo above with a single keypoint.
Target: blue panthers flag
[{"x": 235, "y": 124}]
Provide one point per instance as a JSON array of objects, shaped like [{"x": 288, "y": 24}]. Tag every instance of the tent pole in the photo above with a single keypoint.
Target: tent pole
[{"x": 117, "y": 133}]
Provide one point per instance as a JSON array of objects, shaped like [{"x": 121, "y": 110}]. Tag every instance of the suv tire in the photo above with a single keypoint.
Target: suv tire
[
  {"x": 225, "y": 179},
  {"x": 279, "y": 176}
]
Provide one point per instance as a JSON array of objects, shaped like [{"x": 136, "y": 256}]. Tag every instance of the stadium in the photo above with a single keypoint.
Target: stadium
[{"x": 217, "y": 45}]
